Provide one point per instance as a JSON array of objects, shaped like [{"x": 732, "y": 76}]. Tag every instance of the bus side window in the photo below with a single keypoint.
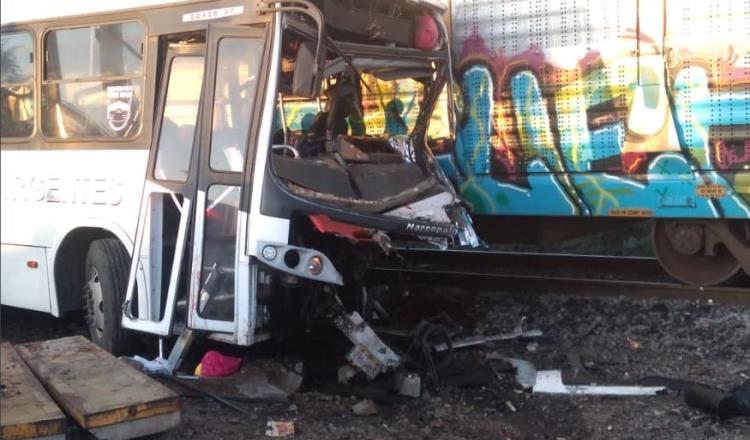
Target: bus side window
[
  {"x": 17, "y": 85},
  {"x": 179, "y": 118},
  {"x": 93, "y": 81}
]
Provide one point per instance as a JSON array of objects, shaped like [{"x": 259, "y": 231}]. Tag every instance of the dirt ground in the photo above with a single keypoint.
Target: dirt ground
[{"x": 616, "y": 339}]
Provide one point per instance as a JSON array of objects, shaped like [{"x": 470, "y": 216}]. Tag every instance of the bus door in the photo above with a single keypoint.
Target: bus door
[
  {"x": 190, "y": 227},
  {"x": 223, "y": 281},
  {"x": 157, "y": 274}
]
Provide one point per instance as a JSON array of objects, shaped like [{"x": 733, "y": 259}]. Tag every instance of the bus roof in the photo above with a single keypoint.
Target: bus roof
[{"x": 16, "y": 11}]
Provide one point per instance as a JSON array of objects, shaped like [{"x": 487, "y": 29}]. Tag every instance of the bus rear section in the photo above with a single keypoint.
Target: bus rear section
[{"x": 584, "y": 115}]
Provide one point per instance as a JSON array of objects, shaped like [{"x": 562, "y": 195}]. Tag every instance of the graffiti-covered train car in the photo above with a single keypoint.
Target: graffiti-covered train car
[{"x": 585, "y": 112}]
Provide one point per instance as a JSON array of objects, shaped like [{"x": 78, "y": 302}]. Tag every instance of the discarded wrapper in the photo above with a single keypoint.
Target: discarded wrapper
[{"x": 279, "y": 429}]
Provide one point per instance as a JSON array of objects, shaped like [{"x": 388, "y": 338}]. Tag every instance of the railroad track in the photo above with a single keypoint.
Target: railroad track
[{"x": 539, "y": 273}]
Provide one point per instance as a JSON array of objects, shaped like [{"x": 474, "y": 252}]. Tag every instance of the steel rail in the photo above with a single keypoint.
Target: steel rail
[
  {"x": 480, "y": 258},
  {"x": 433, "y": 270}
]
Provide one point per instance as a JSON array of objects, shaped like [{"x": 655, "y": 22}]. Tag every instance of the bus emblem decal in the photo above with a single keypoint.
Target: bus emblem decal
[{"x": 119, "y": 103}]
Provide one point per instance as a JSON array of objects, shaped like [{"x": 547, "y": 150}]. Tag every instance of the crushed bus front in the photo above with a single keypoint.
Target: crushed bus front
[{"x": 337, "y": 109}]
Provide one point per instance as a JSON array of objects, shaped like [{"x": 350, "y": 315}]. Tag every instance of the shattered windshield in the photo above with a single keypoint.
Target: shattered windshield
[{"x": 379, "y": 108}]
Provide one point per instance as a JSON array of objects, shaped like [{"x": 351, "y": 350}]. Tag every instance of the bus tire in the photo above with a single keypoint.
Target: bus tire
[{"x": 107, "y": 267}]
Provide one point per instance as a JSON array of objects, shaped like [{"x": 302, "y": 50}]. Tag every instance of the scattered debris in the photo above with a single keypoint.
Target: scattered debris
[
  {"x": 469, "y": 374},
  {"x": 256, "y": 387},
  {"x": 633, "y": 344},
  {"x": 279, "y": 429},
  {"x": 711, "y": 400},
  {"x": 345, "y": 373},
  {"x": 380, "y": 395},
  {"x": 192, "y": 387},
  {"x": 215, "y": 364},
  {"x": 525, "y": 371},
  {"x": 510, "y": 406},
  {"x": 369, "y": 353},
  {"x": 518, "y": 332},
  {"x": 550, "y": 382},
  {"x": 409, "y": 384},
  {"x": 532, "y": 347},
  {"x": 288, "y": 378},
  {"x": 707, "y": 398},
  {"x": 365, "y": 407},
  {"x": 157, "y": 366}
]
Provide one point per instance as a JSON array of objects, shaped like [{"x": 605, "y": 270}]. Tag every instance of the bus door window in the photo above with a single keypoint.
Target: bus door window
[
  {"x": 219, "y": 253},
  {"x": 179, "y": 119},
  {"x": 234, "y": 96},
  {"x": 238, "y": 61}
]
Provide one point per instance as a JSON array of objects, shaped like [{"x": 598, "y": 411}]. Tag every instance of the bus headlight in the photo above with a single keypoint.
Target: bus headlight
[
  {"x": 315, "y": 265},
  {"x": 269, "y": 253}
]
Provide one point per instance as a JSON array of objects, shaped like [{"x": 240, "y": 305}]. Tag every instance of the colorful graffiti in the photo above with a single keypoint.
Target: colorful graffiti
[{"x": 582, "y": 107}]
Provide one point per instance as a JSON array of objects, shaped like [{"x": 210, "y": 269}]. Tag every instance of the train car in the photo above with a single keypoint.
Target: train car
[{"x": 575, "y": 115}]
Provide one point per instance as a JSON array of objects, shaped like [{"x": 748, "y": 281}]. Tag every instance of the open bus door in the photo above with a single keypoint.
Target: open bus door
[{"x": 187, "y": 254}]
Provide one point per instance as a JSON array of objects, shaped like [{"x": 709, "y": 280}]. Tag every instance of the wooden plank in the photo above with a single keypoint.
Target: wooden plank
[
  {"x": 26, "y": 410},
  {"x": 137, "y": 428},
  {"x": 94, "y": 387}
]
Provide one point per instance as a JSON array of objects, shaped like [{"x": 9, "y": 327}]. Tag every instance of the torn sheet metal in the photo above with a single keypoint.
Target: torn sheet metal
[
  {"x": 369, "y": 354},
  {"x": 429, "y": 209},
  {"x": 518, "y": 332},
  {"x": 550, "y": 382},
  {"x": 467, "y": 236}
]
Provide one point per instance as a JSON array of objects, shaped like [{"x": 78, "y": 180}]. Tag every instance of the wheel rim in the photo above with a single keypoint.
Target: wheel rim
[
  {"x": 679, "y": 257},
  {"x": 96, "y": 306}
]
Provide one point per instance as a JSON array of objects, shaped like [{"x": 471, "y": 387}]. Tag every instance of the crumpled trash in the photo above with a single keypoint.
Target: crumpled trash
[
  {"x": 157, "y": 366},
  {"x": 215, "y": 364},
  {"x": 279, "y": 429}
]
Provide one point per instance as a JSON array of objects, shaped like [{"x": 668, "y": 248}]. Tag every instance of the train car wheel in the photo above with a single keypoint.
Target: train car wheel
[{"x": 680, "y": 249}]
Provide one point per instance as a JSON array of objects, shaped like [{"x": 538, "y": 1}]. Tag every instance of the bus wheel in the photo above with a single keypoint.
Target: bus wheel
[
  {"x": 107, "y": 265},
  {"x": 680, "y": 249}
]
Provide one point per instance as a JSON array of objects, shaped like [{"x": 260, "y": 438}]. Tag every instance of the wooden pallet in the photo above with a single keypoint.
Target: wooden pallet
[
  {"x": 104, "y": 395},
  {"x": 26, "y": 410}
]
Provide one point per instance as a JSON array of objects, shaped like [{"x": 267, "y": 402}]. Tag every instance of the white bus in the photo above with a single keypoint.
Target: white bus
[{"x": 248, "y": 156}]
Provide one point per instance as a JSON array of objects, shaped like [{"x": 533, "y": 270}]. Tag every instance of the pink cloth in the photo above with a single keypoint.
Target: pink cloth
[{"x": 215, "y": 364}]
